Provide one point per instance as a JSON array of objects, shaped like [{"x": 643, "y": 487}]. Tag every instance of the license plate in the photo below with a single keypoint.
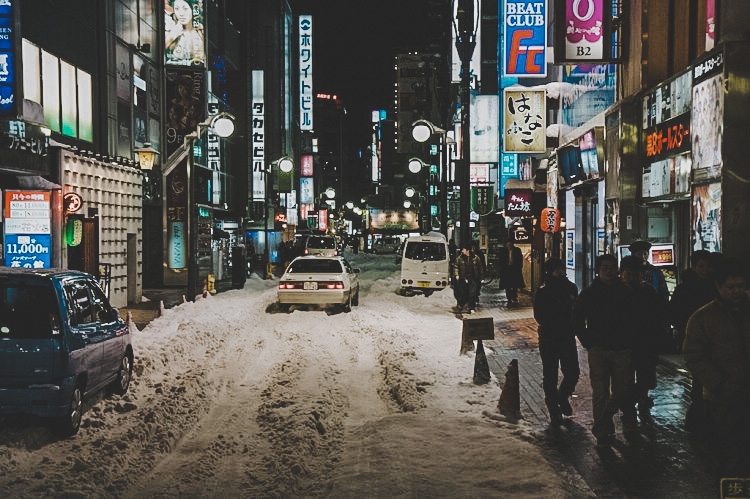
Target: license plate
[
  {"x": 311, "y": 285},
  {"x": 423, "y": 284}
]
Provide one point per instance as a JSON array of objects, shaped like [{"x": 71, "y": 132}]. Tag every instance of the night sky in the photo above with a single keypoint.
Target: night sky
[{"x": 353, "y": 48}]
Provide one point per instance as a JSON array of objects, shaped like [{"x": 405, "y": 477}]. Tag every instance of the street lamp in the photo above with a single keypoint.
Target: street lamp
[
  {"x": 146, "y": 156},
  {"x": 285, "y": 164},
  {"x": 465, "y": 29},
  {"x": 422, "y": 131},
  {"x": 222, "y": 125}
]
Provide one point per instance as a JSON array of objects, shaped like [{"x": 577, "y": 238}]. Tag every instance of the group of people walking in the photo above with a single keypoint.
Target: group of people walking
[
  {"x": 469, "y": 268},
  {"x": 621, "y": 319}
]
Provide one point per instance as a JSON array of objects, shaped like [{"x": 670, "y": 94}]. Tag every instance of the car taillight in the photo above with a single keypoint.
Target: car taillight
[
  {"x": 335, "y": 252},
  {"x": 289, "y": 285},
  {"x": 307, "y": 252},
  {"x": 331, "y": 285}
]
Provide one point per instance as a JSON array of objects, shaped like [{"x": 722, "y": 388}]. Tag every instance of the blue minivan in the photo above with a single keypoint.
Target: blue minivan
[{"x": 60, "y": 342}]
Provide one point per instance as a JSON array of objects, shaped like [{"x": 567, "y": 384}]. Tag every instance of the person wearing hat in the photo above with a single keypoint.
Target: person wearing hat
[
  {"x": 649, "y": 274},
  {"x": 553, "y": 306}
]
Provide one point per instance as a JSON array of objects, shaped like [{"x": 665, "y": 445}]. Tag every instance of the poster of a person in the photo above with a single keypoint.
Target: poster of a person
[{"x": 184, "y": 42}]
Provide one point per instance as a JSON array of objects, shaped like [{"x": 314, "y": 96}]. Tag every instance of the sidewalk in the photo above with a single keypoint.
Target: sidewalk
[{"x": 660, "y": 460}]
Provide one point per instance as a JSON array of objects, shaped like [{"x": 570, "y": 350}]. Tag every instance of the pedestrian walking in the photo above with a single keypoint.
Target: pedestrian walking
[
  {"x": 649, "y": 274},
  {"x": 553, "y": 307},
  {"x": 649, "y": 314},
  {"x": 717, "y": 353},
  {"x": 467, "y": 271},
  {"x": 695, "y": 290},
  {"x": 511, "y": 271},
  {"x": 602, "y": 320}
]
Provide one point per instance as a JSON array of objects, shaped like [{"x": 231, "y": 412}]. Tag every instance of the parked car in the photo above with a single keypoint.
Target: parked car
[
  {"x": 386, "y": 244},
  {"x": 60, "y": 342},
  {"x": 319, "y": 280},
  {"x": 320, "y": 245}
]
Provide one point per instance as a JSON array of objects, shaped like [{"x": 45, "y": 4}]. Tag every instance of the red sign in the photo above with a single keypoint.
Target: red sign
[
  {"x": 662, "y": 255},
  {"x": 518, "y": 202}
]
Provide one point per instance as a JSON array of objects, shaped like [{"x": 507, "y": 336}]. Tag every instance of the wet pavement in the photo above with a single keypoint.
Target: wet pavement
[{"x": 661, "y": 459}]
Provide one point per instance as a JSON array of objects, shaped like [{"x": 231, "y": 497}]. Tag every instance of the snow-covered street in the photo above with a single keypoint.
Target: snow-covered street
[{"x": 231, "y": 399}]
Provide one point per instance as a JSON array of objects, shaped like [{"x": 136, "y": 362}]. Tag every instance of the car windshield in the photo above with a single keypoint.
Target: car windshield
[
  {"x": 425, "y": 251},
  {"x": 315, "y": 266},
  {"x": 28, "y": 312},
  {"x": 321, "y": 242}
]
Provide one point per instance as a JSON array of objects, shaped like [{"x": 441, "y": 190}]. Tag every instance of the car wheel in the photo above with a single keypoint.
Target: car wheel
[
  {"x": 347, "y": 307},
  {"x": 355, "y": 300},
  {"x": 70, "y": 423},
  {"x": 284, "y": 308},
  {"x": 125, "y": 374}
]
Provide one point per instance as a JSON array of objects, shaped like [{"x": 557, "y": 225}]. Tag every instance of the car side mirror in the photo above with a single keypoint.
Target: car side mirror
[{"x": 356, "y": 271}]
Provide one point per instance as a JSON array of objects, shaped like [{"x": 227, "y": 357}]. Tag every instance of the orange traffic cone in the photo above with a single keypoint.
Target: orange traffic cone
[{"x": 510, "y": 397}]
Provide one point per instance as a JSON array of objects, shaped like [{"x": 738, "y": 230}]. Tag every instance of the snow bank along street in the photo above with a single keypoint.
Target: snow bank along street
[{"x": 231, "y": 398}]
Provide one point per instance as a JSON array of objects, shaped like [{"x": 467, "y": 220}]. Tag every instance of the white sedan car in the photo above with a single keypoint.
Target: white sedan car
[{"x": 325, "y": 281}]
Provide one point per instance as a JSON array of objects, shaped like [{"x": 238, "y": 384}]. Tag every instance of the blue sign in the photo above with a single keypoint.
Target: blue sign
[
  {"x": 525, "y": 47},
  {"x": 7, "y": 66},
  {"x": 28, "y": 250}
]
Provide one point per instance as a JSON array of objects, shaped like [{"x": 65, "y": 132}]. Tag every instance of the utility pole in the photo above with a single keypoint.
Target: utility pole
[{"x": 465, "y": 43}]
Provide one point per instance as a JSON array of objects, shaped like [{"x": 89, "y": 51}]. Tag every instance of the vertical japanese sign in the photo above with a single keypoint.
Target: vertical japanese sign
[
  {"x": 525, "y": 50},
  {"x": 7, "y": 60},
  {"x": 524, "y": 121},
  {"x": 584, "y": 30},
  {"x": 305, "y": 73},
  {"x": 27, "y": 239},
  {"x": 259, "y": 141}
]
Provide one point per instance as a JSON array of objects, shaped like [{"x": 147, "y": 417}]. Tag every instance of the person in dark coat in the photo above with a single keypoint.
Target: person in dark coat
[
  {"x": 695, "y": 290},
  {"x": 649, "y": 315},
  {"x": 649, "y": 274},
  {"x": 553, "y": 307},
  {"x": 467, "y": 271},
  {"x": 717, "y": 352},
  {"x": 511, "y": 271},
  {"x": 602, "y": 321}
]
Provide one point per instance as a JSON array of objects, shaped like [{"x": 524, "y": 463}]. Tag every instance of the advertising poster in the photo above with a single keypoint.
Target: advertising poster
[
  {"x": 570, "y": 249},
  {"x": 707, "y": 217},
  {"x": 525, "y": 47},
  {"x": 524, "y": 122},
  {"x": 707, "y": 117},
  {"x": 177, "y": 202},
  {"x": 184, "y": 40},
  {"x": 584, "y": 30},
  {"x": 485, "y": 139},
  {"x": 186, "y": 105},
  {"x": 27, "y": 229},
  {"x": 589, "y": 91}
]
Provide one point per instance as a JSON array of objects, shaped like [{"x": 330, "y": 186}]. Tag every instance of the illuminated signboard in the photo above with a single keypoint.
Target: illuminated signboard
[
  {"x": 258, "y": 137},
  {"x": 525, "y": 122},
  {"x": 525, "y": 39},
  {"x": 7, "y": 60},
  {"x": 518, "y": 202},
  {"x": 305, "y": 73},
  {"x": 27, "y": 240}
]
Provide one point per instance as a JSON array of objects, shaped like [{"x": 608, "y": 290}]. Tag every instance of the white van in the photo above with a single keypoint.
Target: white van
[{"x": 425, "y": 264}]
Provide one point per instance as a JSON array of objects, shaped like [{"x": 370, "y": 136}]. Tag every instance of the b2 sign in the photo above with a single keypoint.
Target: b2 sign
[{"x": 525, "y": 38}]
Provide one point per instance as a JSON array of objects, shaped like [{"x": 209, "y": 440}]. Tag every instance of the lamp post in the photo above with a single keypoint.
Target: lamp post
[
  {"x": 465, "y": 31},
  {"x": 285, "y": 164},
  {"x": 146, "y": 156},
  {"x": 417, "y": 166},
  {"x": 223, "y": 126},
  {"x": 421, "y": 131}
]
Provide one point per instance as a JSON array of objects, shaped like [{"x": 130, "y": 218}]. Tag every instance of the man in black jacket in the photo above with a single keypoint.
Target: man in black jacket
[
  {"x": 511, "y": 271},
  {"x": 557, "y": 341},
  {"x": 603, "y": 322}
]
